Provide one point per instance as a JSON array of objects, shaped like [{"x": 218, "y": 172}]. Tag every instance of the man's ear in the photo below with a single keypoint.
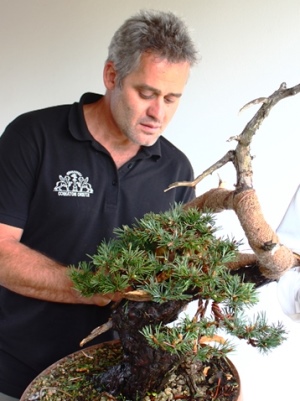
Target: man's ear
[{"x": 109, "y": 75}]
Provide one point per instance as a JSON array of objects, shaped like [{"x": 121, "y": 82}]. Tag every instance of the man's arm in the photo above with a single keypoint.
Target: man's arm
[{"x": 34, "y": 275}]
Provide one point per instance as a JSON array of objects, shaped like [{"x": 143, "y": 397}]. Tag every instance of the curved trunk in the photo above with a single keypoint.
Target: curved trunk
[
  {"x": 273, "y": 258},
  {"x": 143, "y": 367}
]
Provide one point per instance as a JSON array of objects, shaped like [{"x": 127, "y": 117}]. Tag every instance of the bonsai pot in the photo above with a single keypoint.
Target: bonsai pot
[{"x": 71, "y": 378}]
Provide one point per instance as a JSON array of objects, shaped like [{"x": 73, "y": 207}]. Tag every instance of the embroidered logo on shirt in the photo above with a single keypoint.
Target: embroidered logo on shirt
[{"x": 73, "y": 184}]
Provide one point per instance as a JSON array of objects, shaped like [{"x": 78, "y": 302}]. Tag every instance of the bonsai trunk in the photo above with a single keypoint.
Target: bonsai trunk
[{"x": 143, "y": 367}]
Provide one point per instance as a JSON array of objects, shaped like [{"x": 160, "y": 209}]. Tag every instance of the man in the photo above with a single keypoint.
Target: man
[{"x": 69, "y": 175}]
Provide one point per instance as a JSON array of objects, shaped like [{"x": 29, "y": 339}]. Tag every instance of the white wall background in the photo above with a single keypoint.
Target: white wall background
[{"x": 53, "y": 50}]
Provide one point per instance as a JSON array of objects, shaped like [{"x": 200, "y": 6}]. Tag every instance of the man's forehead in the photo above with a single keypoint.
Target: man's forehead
[{"x": 159, "y": 74}]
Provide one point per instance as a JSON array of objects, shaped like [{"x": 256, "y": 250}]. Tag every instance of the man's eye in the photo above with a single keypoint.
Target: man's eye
[
  {"x": 170, "y": 99},
  {"x": 146, "y": 94}
]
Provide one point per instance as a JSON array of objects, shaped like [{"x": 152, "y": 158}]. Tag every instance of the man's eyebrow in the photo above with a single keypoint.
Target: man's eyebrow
[{"x": 156, "y": 91}]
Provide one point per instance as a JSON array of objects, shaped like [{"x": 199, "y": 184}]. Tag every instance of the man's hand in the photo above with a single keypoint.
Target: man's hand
[{"x": 103, "y": 300}]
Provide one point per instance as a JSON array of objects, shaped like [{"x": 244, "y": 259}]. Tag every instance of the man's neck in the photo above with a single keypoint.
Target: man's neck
[{"x": 101, "y": 127}]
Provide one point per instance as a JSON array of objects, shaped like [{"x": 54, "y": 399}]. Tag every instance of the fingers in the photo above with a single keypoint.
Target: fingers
[{"x": 103, "y": 300}]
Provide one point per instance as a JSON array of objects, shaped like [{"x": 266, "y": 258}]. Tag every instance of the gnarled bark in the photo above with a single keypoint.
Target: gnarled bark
[
  {"x": 143, "y": 368},
  {"x": 272, "y": 257}
]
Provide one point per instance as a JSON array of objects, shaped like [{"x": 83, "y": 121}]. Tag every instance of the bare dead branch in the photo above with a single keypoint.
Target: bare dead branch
[
  {"x": 241, "y": 157},
  {"x": 254, "y": 102},
  {"x": 272, "y": 257},
  {"x": 96, "y": 332},
  {"x": 242, "y": 162},
  {"x": 137, "y": 295},
  {"x": 220, "y": 163}
]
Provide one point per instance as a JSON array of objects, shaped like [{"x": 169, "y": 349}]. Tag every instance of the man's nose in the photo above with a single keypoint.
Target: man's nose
[{"x": 156, "y": 109}]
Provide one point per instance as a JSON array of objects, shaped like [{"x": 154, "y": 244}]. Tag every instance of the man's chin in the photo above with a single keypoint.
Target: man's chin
[
  {"x": 144, "y": 139},
  {"x": 149, "y": 140},
  {"x": 148, "y": 144}
]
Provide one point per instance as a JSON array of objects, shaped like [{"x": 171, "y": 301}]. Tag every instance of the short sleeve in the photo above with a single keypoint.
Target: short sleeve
[{"x": 18, "y": 165}]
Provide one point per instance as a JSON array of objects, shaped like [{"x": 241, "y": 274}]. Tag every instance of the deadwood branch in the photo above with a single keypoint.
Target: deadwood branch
[{"x": 272, "y": 257}]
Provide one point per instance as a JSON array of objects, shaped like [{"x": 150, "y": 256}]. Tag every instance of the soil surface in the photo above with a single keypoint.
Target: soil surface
[{"x": 72, "y": 379}]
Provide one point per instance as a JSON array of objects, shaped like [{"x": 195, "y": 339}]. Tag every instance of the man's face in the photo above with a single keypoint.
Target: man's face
[{"x": 148, "y": 98}]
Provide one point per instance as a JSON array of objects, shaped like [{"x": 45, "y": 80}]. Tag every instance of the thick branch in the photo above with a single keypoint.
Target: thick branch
[{"x": 273, "y": 258}]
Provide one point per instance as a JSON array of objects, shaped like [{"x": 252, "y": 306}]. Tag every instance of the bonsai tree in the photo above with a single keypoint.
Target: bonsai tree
[
  {"x": 161, "y": 264},
  {"x": 165, "y": 261}
]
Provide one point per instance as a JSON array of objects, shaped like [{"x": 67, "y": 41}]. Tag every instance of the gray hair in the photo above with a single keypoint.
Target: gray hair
[{"x": 158, "y": 32}]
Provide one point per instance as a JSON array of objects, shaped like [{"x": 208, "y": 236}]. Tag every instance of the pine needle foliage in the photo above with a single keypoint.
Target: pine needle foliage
[{"x": 177, "y": 255}]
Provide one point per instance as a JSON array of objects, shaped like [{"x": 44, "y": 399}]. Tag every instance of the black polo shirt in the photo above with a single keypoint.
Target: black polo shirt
[{"x": 63, "y": 189}]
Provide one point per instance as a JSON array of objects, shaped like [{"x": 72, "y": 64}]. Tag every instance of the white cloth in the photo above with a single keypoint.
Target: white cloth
[{"x": 288, "y": 288}]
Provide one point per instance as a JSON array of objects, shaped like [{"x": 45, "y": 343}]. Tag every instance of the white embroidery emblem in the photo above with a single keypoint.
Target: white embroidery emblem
[{"x": 73, "y": 184}]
